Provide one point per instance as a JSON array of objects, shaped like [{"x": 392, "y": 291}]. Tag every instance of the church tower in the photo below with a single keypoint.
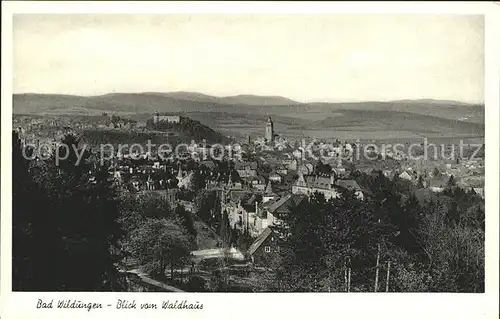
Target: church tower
[{"x": 269, "y": 131}]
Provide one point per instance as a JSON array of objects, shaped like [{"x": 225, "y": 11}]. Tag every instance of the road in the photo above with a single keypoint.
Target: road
[
  {"x": 153, "y": 282},
  {"x": 232, "y": 253}
]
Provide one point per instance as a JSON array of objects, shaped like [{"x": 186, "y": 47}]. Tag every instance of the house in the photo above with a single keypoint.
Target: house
[
  {"x": 437, "y": 184},
  {"x": 274, "y": 211},
  {"x": 327, "y": 185},
  {"x": 311, "y": 184},
  {"x": 268, "y": 193},
  {"x": 281, "y": 169},
  {"x": 171, "y": 195},
  {"x": 297, "y": 153},
  {"x": 246, "y": 214},
  {"x": 351, "y": 185},
  {"x": 304, "y": 170},
  {"x": 471, "y": 181},
  {"x": 388, "y": 173},
  {"x": 236, "y": 195},
  {"x": 405, "y": 175},
  {"x": 286, "y": 159},
  {"x": 245, "y": 169},
  {"x": 241, "y": 207},
  {"x": 340, "y": 171},
  {"x": 265, "y": 250},
  {"x": 210, "y": 165},
  {"x": 479, "y": 191},
  {"x": 258, "y": 182},
  {"x": 117, "y": 176},
  {"x": 150, "y": 185},
  {"x": 275, "y": 177},
  {"x": 186, "y": 181},
  {"x": 293, "y": 165},
  {"x": 140, "y": 125}
]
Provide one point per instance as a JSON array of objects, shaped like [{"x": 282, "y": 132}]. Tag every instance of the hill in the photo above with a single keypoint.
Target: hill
[
  {"x": 241, "y": 104},
  {"x": 116, "y": 102},
  {"x": 243, "y": 99},
  {"x": 188, "y": 96},
  {"x": 377, "y": 120},
  {"x": 184, "y": 132},
  {"x": 247, "y": 99}
]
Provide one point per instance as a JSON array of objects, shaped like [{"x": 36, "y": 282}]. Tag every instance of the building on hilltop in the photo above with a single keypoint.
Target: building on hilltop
[{"x": 157, "y": 118}]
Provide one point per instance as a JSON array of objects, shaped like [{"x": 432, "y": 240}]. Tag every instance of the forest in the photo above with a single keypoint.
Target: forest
[{"x": 392, "y": 241}]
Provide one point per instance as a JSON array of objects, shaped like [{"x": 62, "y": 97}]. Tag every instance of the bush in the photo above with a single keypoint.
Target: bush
[{"x": 196, "y": 284}]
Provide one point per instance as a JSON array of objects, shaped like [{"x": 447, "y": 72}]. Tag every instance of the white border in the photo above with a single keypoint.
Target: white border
[{"x": 20, "y": 305}]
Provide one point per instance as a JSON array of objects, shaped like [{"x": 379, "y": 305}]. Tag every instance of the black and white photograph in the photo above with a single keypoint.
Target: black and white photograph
[{"x": 247, "y": 153}]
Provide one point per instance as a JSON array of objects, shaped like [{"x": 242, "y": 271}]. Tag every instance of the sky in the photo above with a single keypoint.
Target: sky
[{"x": 317, "y": 57}]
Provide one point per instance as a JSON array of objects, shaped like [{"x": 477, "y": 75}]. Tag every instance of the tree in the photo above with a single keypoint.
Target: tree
[
  {"x": 322, "y": 237},
  {"x": 420, "y": 182},
  {"x": 35, "y": 239},
  {"x": 456, "y": 252},
  {"x": 137, "y": 213},
  {"x": 436, "y": 172},
  {"x": 243, "y": 241},
  {"x": 451, "y": 182},
  {"x": 186, "y": 221},
  {"x": 198, "y": 182},
  {"x": 217, "y": 281},
  {"x": 323, "y": 169},
  {"x": 80, "y": 208},
  {"x": 225, "y": 230},
  {"x": 453, "y": 214},
  {"x": 206, "y": 204},
  {"x": 159, "y": 243}
]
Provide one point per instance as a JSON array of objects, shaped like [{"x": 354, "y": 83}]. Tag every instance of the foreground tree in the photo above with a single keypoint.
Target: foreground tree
[
  {"x": 159, "y": 243},
  {"x": 345, "y": 243},
  {"x": 186, "y": 220},
  {"x": 79, "y": 213},
  {"x": 206, "y": 205},
  {"x": 35, "y": 240}
]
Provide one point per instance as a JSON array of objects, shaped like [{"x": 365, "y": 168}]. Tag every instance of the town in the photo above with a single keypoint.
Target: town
[
  {"x": 222, "y": 153},
  {"x": 237, "y": 206}
]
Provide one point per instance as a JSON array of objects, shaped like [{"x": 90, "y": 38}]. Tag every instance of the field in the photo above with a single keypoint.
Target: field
[{"x": 350, "y": 125}]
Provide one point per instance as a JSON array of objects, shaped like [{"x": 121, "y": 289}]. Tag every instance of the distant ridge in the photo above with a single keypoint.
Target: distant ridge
[
  {"x": 245, "y": 104},
  {"x": 439, "y": 102},
  {"x": 188, "y": 96},
  {"x": 241, "y": 99},
  {"x": 249, "y": 99}
]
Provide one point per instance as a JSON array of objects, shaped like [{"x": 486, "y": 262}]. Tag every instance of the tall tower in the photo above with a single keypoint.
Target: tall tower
[{"x": 269, "y": 131}]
